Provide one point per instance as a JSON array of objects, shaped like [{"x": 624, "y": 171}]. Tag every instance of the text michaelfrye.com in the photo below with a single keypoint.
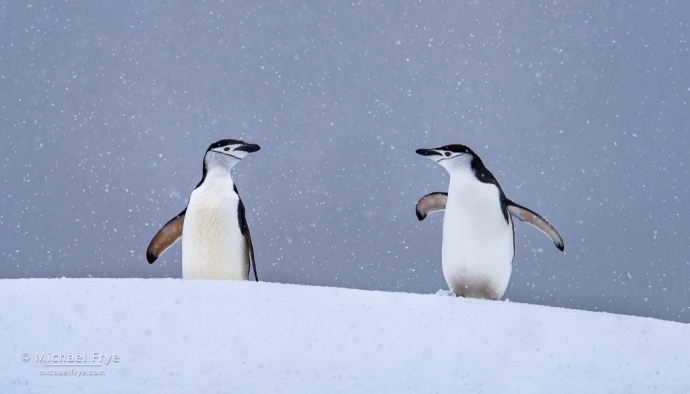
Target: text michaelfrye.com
[{"x": 77, "y": 373}]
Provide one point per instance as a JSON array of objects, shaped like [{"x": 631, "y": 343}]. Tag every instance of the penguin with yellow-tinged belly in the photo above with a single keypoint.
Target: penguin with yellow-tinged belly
[{"x": 216, "y": 243}]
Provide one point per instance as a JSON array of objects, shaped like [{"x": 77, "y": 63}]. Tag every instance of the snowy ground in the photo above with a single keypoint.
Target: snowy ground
[{"x": 205, "y": 336}]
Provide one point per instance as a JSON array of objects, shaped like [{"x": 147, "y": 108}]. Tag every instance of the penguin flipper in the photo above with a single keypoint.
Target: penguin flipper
[
  {"x": 432, "y": 202},
  {"x": 537, "y": 221},
  {"x": 250, "y": 247},
  {"x": 166, "y": 237},
  {"x": 244, "y": 228}
]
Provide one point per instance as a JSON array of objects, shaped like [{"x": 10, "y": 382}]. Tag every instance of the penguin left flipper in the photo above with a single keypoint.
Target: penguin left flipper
[
  {"x": 537, "y": 221},
  {"x": 166, "y": 237},
  {"x": 432, "y": 202}
]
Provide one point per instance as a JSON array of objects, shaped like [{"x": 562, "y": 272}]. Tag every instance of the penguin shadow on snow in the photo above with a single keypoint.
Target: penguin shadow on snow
[{"x": 478, "y": 233}]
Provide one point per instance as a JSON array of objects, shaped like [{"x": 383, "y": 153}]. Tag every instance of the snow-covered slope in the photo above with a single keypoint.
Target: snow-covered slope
[{"x": 206, "y": 336}]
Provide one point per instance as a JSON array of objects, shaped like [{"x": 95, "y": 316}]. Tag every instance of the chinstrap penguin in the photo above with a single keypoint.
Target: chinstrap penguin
[
  {"x": 478, "y": 234},
  {"x": 216, "y": 243}
]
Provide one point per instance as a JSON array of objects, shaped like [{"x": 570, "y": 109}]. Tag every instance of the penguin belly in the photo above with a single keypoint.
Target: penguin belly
[
  {"x": 477, "y": 252},
  {"x": 213, "y": 246}
]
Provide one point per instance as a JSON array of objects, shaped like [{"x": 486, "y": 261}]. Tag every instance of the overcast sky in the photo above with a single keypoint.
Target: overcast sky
[{"x": 579, "y": 109}]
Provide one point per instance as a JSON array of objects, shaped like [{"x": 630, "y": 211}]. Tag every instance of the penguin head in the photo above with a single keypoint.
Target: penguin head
[
  {"x": 451, "y": 157},
  {"x": 227, "y": 153}
]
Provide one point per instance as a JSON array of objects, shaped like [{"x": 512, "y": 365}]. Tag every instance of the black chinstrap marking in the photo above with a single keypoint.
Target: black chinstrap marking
[
  {"x": 227, "y": 154},
  {"x": 249, "y": 148},
  {"x": 448, "y": 158},
  {"x": 204, "y": 171}
]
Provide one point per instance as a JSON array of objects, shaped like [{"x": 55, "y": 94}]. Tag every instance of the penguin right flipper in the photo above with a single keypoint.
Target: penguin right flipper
[
  {"x": 244, "y": 228},
  {"x": 432, "y": 202},
  {"x": 248, "y": 240},
  {"x": 166, "y": 237},
  {"x": 537, "y": 221}
]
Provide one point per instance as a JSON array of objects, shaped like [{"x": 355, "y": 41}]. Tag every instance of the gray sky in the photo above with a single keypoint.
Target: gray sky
[{"x": 580, "y": 111}]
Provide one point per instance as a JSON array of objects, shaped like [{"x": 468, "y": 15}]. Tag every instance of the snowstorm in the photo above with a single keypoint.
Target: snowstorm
[{"x": 580, "y": 111}]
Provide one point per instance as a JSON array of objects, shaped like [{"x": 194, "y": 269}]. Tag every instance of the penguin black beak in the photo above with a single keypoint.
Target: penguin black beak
[
  {"x": 249, "y": 148},
  {"x": 427, "y": 152}
]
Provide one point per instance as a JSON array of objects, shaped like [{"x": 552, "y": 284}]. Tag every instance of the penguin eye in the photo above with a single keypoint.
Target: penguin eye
[
  {"x": 447, "y": 154},
  {"x": 226, "y": 149}
]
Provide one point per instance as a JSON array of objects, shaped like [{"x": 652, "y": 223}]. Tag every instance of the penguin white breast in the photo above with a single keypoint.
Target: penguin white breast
[
  {"x": 213, "y": 246},
  {"x": 477, "y": 240}
]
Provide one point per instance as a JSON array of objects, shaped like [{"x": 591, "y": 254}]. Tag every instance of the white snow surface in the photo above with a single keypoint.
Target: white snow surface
[{"x": 174, "y": 335}]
